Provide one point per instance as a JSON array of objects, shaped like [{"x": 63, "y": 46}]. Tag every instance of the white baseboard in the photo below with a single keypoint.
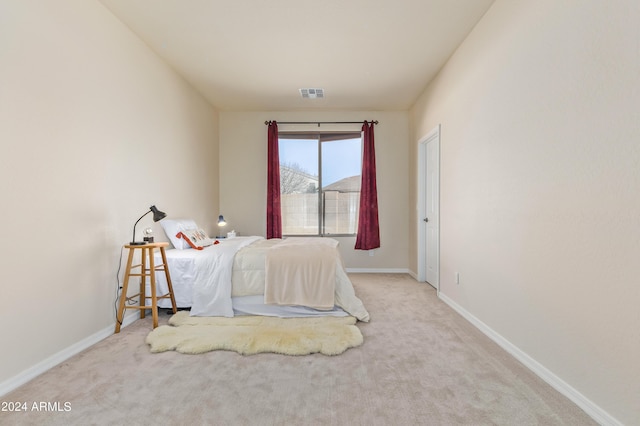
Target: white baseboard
[
  {"x": 588, "y": 406},
  {"x": 377, "y": 270},
  {"x": 57, "y": 358}
]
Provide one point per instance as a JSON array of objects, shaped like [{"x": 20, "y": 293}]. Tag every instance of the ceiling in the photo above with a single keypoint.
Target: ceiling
[{"x": 256, "y": 55}]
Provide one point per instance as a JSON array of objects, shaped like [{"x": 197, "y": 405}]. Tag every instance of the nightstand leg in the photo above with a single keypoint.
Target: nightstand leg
[
  {"x": 165, "y": 266},
  {"x": 143, "y": 281},
  {"x": 123, "y": 293},
  {"x": 154, "y": 289}
]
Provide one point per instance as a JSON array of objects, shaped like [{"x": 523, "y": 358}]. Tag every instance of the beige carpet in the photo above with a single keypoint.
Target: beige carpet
[
  {"x": 250, "y": 335},
  {"x": 420, "y": 364}
]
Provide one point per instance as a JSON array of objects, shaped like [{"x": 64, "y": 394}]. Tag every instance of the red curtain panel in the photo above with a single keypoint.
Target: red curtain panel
[
  {"x": 368, "y": 227},
  {"x": 274, "y": 214}
]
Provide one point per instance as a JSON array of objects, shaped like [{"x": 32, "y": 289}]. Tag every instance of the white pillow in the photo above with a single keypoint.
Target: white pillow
[{"x": 174, "y": 226}]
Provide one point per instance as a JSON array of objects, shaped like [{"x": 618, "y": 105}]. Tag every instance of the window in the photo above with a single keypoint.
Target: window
[{"x": 320, "y": 183}]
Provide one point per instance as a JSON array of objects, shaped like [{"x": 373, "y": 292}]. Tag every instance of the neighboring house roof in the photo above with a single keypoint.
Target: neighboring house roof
[{"x": 349, "y": 184}]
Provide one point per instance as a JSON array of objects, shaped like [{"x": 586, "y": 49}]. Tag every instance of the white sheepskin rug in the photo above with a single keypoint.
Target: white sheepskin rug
[{"x": 250, "y": 335}]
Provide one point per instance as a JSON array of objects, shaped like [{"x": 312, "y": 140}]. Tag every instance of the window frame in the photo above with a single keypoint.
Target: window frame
[{"x": 320, "y": 137}]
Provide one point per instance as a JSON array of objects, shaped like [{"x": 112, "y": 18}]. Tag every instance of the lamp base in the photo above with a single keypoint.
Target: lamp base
[{"x": 137, "y": 243}]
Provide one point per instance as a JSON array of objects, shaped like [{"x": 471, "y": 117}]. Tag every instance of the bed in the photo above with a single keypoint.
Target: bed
[{"x": 255, "y": 276}]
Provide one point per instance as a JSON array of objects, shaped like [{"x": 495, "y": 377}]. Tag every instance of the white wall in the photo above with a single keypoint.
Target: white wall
[
  {"x": 95, "y": 128},
  {"x": 243, "y": 146},
  {"x": 540, "y": 187}
]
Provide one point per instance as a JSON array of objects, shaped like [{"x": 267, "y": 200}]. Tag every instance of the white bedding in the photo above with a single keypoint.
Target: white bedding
[
  {"x": 212, "y": 280},
  {"x": 228, "y": 279}
]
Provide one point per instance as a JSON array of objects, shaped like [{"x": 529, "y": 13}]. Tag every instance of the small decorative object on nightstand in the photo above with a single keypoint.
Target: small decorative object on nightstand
[
  {"x": 147, "y": 269},
  {"x": 148, "y": 235}
]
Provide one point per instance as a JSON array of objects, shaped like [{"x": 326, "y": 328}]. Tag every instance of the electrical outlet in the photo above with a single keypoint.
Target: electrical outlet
[
  {"x": 458, "y": 278},
  {"x": 371, "y": 252}
]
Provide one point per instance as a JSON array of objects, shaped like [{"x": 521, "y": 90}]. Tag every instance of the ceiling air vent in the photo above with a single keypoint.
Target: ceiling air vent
[{"x": 312, "y": 93}]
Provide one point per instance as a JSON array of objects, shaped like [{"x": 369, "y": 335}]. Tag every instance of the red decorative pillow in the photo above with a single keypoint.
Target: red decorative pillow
[{"x": 196, "y": 238}]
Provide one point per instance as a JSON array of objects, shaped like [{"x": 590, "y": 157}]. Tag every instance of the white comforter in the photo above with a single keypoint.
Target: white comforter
[{"x": 212, "y": 282}]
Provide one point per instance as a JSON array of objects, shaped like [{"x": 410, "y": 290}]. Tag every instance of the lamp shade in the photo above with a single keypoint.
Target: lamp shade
[
  {"x": 157, "y": 214},
  {"x": 221, "y": 221}
]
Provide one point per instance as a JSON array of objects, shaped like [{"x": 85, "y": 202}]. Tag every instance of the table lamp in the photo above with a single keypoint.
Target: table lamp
[
  {"x": 157, "y": 215},
  {"x": 221, "y": 223}
]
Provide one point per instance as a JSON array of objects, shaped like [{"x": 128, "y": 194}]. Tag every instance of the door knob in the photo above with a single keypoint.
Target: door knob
[{"x": 426, "y": 219}]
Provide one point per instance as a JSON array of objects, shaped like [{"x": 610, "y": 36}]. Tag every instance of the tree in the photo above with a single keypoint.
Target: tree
[{"x": 296, "y": 180}]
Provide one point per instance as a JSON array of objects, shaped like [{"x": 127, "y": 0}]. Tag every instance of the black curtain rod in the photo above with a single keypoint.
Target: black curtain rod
[{"x": 322, "y": 122}]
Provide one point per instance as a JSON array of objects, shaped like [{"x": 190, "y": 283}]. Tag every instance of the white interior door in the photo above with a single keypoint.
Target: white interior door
[
  {"x": 432, "y": 217},
  {"x": 429, "y": 208}
]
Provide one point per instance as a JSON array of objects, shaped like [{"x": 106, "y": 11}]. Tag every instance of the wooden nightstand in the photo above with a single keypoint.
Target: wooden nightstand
[{"x": 148, "y": 269}]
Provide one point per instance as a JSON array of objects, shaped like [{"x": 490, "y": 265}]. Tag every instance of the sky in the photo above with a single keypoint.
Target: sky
[{"x": 341, "y": 159}]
